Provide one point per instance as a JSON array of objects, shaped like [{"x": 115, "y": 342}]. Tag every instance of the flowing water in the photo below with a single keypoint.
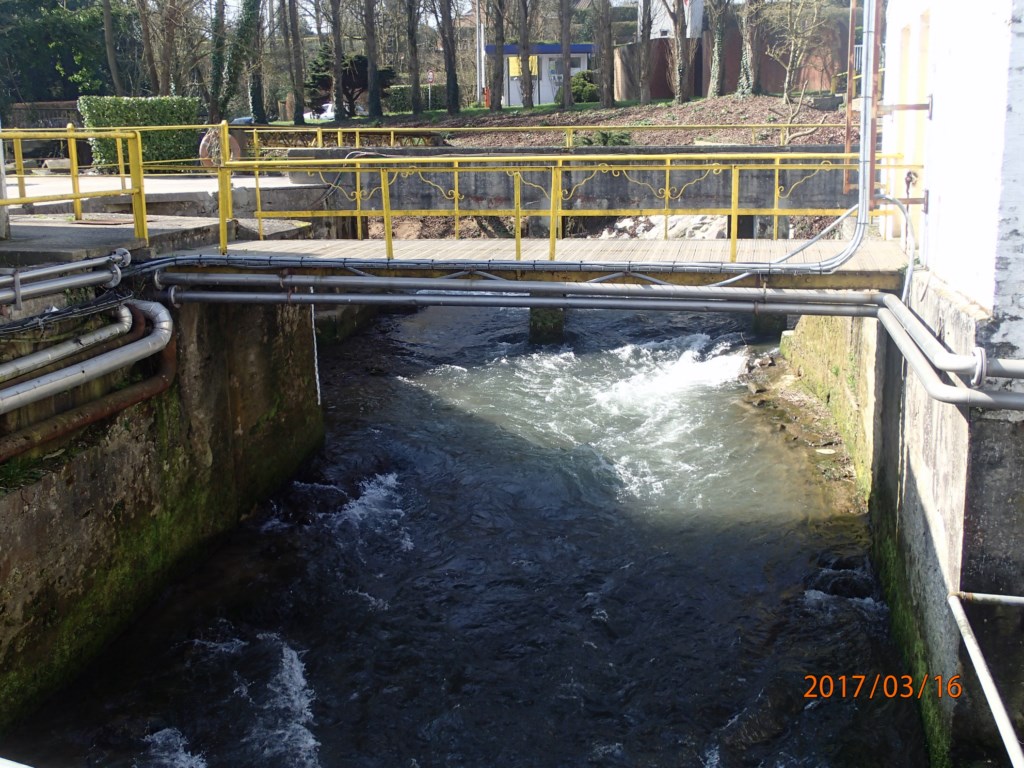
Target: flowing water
[{"x": 505, "y": 555}]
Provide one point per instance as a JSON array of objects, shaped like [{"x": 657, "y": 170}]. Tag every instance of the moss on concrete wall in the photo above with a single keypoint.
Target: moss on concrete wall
[
  {"x": 843, "y": 362},
  {"x": 90, "y": 544}
]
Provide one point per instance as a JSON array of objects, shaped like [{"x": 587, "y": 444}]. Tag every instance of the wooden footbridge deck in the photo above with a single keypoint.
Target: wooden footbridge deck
[{"x": 876, "y": 265}]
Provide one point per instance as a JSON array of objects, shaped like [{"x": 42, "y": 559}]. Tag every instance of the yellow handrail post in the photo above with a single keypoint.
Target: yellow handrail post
[
  {"x": 385, "y": 196},
  {"x": 668, "y": 192},
  {"x": 455, "y": 191},
  {"x": 359, "y": 199},
  {"x": 138, "y": 187},
  {"x": 734, "y": 215},
  {"x": 517, "y": 206},
  {"x": 120, "y": 161},
  {"x": 73, "y": 157},
  {"x": 320, "y": 137},
  {"x": 359, "y": 138},
  {"x": 255, "y": 144},
  {"x": 556, "y": 206},
  {"x": 775, "y": 205},
  {"x": 19, "y": 168},
  {"x": 224, "y": 181},
  {"x": 259, "y": 201},
  {"x": 568, "y": 137},
  {"x": 393, "y": 144}
]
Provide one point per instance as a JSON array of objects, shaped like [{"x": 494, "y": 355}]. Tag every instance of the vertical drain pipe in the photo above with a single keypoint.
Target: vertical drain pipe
[{"x": 988, "y": 685}]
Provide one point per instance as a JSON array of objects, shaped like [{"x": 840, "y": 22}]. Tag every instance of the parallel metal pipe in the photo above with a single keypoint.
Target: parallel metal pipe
[
  {"x": 175, "y": 296},
  {"x": 516, "y": 287},
  {"x": 34, "y": 390},
  {"x": 120, "y": 257},
  {"x": 44, "y": 357},
  {"x": 988, "y": 685},
  {"x": 933, "y": 385},
  {"x": 58, "y": 285}
]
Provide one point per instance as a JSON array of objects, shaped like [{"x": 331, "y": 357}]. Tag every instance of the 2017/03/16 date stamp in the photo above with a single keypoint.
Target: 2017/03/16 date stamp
[{"x": 881, "y": 686}]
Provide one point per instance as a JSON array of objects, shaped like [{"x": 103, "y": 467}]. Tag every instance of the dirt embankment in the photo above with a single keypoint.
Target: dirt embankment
[{"x": 698, "y": 121}]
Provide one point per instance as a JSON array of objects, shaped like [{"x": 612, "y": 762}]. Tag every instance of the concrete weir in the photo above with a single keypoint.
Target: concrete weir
[{"x": 88, "y": 545}]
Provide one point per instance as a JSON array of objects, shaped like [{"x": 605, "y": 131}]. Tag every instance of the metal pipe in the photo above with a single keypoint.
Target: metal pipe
[
  {"x": 20, "y": 395},
  {"x": 988, "y": 685},
  {"x": 71, "y": 421},
  {"x": 175, "y": 296},
  {"x": 513, "y": 286},
  {"x": 65, "y": 349},
  {"x": 946, "y": 393},
  {"x": 59, "y": 285},
  {"x": 121, "y": 257},
  {"x": 942, "y": 358},
  {"x": 981, "y": 597}
]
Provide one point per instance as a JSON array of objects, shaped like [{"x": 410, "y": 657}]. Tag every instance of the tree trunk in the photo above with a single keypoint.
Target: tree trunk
[
  {"x": 412, "y": 27},
  {"x": 497, "y": 85},
  {"x": 108, "y": 40},
  {"x": 717, "y": 80},
  {"x": 298, "y": 70},
  {"x": 337, "y": 66},
  {"x": 643, "y": 64},
  {"x": 606, "y": 69},
  {"x": 373, "y": 104},
  {"x": 565, "y": 19},
  {"x": 525, "y": 75},
  {"x": 446, "y": 24},
  {"x": 170, "y": 25},
  {"x": 219, "y": 43},
  {"x": 147, "y": 46}
]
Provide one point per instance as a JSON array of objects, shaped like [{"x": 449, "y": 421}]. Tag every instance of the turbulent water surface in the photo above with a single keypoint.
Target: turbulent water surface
[{"x": 505, "y": 555}]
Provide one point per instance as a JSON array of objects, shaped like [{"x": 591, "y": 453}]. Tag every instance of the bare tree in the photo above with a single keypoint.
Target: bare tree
[
  {"x": 684, "y": 50},
  {"x": 444, "y": 14},
  {"x": 565, "y": 26},
  {"x": 525, "y": 11},
  {"x": 413, "y": 8},
  {"x": 372, "y": 65},
  {"x": 606, "y": 56},
  {"x": 218, "y": 45},
  {"x": 717, "y": 12},
  {"x": 108, "y": 40},
  {"x": 338, "y": 52},
  {"x": 643, "y": 63},
  {"x": 297, "y": 68},
  {"x": 498, "y": 12},
  {"x": 750, "y": 17},
  {"x": 147, "y": 45},
  {"x": 797, "y": 26}
]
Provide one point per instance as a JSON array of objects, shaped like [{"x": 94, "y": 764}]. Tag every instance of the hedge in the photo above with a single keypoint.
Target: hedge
[
  {"x": 157, "y": 146},
  {"x": 399, "y": 98}
]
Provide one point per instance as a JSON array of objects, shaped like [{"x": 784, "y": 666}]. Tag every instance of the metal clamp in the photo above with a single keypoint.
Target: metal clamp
[{"x": 980, "y": 366}]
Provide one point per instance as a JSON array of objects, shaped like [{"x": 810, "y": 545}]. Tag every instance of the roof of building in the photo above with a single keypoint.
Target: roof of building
[{"x": 512, "y": 49}]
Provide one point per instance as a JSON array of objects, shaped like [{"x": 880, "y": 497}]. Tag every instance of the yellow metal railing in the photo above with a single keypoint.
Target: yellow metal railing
[
  {"x": 368, "y": 189},
  {"x": 131, "y": 174}
]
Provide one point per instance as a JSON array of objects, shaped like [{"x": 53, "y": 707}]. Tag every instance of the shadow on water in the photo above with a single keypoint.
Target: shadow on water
[{"x": 470, "y": 577}]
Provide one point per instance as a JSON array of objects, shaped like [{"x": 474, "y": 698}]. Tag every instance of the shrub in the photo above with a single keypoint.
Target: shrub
[
  {"x": 399, "y": 98},
  {"x": 584, "y": 89},
  {"x": 157, "y": 146}
]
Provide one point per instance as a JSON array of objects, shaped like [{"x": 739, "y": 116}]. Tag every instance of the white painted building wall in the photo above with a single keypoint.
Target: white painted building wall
[{"x": 972, "y": 63}]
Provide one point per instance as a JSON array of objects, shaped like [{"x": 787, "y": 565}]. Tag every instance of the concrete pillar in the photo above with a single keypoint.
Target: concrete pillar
[{"x": 547, "y": 325}]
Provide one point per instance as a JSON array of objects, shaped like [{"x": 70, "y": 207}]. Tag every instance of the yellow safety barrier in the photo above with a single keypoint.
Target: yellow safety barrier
[
  {"x": 369, "y": 190},
  {"x": 134, "y": 170}
]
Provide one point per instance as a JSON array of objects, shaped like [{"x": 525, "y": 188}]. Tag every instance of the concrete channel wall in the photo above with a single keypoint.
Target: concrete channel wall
[
  {"x": 946, "y": 492},
  {"x": 90, "y": 543}
]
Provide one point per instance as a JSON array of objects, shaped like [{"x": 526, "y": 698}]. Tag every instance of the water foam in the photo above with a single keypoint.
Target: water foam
[
  {"x": 168, "y": 748},
  {"x": 378, "y": 509},
  {"x": 282, "y": 729}
]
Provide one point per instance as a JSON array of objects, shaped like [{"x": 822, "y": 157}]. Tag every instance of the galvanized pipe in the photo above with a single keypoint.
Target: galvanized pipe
[
  {"x": 922, "y": 335},
  {"x": 120, "y": 257},
  {"x": 34, "y": 390},
  {"x": 988, "y": 685},
  {"x": 176, "y": 296},
  {"x": 936, "y": 389},
  {"x": 44, "y": 357},
  {"x": 58, "y": 285},
  {"x": 981, "y": 597},
  {"x": 163, "y": 279}
]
